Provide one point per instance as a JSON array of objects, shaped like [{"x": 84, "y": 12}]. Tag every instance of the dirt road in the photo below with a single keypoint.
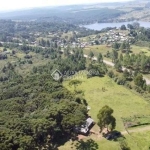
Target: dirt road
[{"x": 112, "y": 64}]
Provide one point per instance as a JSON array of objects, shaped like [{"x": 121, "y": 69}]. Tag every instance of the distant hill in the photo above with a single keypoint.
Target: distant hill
[{"x": 78, "y": 14}]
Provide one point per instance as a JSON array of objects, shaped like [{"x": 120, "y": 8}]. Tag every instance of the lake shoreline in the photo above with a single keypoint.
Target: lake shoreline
[{"x": 100, "y": 26}]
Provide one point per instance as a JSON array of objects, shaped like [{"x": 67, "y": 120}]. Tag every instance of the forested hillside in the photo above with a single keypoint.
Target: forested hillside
[
  {"x": 70, "y": 14},
  {"x": 37, "y": 111}
]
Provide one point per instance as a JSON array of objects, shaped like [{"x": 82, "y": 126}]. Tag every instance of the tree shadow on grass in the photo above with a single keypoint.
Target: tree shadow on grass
[{"x": 86, "y": 145}]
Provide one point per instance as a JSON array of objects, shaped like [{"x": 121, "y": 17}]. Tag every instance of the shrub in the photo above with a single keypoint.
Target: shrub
[
  {"x": 115, "y": 79},
  {"x": 111, "y": 74},
  {"x": 121, "y": 81}
]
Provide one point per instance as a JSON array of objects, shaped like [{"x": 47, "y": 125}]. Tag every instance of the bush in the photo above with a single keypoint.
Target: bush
[
  {"x": 121, "y": 81},
  {"x": 115, "y": 79},
  {"x": 138, "y": 89},
  {"x": 128, "y": 85},
  {"x": 111, "y": 74}
]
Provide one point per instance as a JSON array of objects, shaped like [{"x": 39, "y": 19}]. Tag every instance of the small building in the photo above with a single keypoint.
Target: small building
[{"x": 85, "y": 128}]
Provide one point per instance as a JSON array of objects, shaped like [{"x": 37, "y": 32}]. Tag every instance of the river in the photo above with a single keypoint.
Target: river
[{"x": 99, "y": 26}]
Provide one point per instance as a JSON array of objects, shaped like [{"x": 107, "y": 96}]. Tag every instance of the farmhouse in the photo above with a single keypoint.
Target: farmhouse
[{"x": 85, "y": 128}]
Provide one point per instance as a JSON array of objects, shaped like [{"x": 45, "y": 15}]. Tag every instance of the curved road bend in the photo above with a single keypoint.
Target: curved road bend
[{"x": 123, "y": 68}]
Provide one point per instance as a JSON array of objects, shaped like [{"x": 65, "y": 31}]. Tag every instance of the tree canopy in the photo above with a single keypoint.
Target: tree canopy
[{"x": 105, "y": 118}]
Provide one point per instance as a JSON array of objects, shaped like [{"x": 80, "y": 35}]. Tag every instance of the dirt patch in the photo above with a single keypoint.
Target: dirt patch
[{"x": 81, "y": 137}]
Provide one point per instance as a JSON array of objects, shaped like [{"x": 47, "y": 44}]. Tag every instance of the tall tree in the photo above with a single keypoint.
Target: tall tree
[
  {"x": 139, "y": 81},
  {"x": 130, "y": 26},
  {"x": 121, "y": 57},
  {"x": 123, "y": 27},
  {"x": 100, "y": 58},
  {"x": 105, "y": 119},
  {"x": 118, "y": 66},
  {"x": 123, "y": 46},
  {"x": 91, "y": 54},
  {"x": 126, "y": 74},
  {"x": 114, "y": 55},
  {"x": 116, "y": 46}
]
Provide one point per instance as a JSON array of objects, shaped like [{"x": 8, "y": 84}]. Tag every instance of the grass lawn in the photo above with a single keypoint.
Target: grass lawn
[
  {"x": 137, "y": 50},
  {"x": 96, "y": 49},
  {"x": 102, "y": 145},
  {"x": 124, "y": 102},
  {"x": 139, "y": 140},
  {"x": 136, "y": 141}
]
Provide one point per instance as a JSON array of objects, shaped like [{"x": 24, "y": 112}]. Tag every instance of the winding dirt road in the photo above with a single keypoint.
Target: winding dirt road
[{"x": 112, "y": 64}]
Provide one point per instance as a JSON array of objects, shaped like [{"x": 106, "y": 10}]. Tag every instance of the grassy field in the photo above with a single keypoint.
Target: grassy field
[
  {"x": 124, "y": 102},
  {"x": 137, "y": 50},
  {"x": 103, "y": 49},
  {"x": 96, "y": 49}
]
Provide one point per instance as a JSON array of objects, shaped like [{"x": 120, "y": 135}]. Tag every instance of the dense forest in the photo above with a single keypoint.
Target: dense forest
[
  {"x": 35, "y": 110},
  {"x": 29, "y": 31}
]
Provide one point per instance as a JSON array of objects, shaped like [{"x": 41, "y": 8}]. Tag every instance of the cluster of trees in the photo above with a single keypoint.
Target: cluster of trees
[
  {"x": 140, "y": 34},
  {"x": 124, "y": 47},
  {"x": 127, "y": 76},
  {"x": 44, "y": 43},
  {"x": 134, "y": 25},
  {"x": 144, "y": 34},
  {"x": 68, "y": 66},
  {"x": 137, "y": 62},
  {"x": 8, "y": 73},
  {"x": 96, "y": 70},
  {"x": 3, "y": 56},
  {"x": 16, "y": 32},
  {"x": 36, "y": 111},
  {"x": 49, "y": 52}
]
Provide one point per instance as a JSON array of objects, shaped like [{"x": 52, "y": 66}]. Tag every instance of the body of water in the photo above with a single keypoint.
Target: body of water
[{"x": 100, "y": 26}]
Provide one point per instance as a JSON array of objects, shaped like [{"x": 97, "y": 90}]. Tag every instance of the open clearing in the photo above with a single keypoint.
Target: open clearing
[
  {"x": 137, "y": 50},
  {"x": 96, "y": 49},
  {"x": 125, "y": 104}
]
